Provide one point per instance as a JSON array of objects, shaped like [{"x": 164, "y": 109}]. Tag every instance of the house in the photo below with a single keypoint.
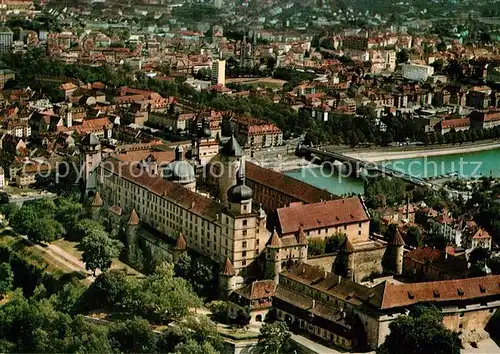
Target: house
[
  {"x": 428, "y": 263},
  {"x": 459, "y": 124},
  {"x": 485, "y": 119},
  {"x": 451, "y": 229},
  {"x": 256, "y": 297},
  {"x": 67, "y": 89},
  {"x": 481, "y": 239},
  {"x": 325, "y": 219}
]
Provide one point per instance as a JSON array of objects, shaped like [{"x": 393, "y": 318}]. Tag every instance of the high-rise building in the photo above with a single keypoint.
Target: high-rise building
[
  {"x": 6, "y": 39},
  {"x": 219, "y": 72}
]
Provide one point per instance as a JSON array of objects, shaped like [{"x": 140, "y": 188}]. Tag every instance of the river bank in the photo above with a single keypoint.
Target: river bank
[{"x": 377, "y": 155}]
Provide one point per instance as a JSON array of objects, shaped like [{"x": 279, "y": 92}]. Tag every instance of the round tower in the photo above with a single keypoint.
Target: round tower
[
  {"x": 132, "y": 226},
  {"x": 273, "y": 257},
  {"x": 131, "y": 235},
  {"x": 226, "y": 279},
  {"x": 95, "y": 206},
  {"x": 180, "y": 247},
  {"x": 396, "y": 245},
  {"x": 344, "y": 264}
]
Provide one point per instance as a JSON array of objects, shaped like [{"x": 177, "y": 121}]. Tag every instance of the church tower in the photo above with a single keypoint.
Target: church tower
[
  {"x": 239, "y": 196},
  {"x": 230, "y": 156}
]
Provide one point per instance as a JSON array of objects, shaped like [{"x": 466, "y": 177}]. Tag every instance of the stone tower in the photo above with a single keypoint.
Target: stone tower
[
  {"x": 344, "y": 263},
  {"x": 273, "y": 257},
  {"x": 132, "y": 226},
  {"x": 302, "y": 243},
  {"x": 230, "y": 156},
  {"x": 131, "y": 235},
  {"x": 90, "y": 158},
  {"x": 226, "y": 279},
  {"x": 396, "y": 246},
  {"x": 180, "y": 247},
  {"x": 95, "y": 206}
]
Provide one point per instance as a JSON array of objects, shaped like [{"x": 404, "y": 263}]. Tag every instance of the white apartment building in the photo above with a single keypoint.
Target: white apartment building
[{"x": 416, "y": 72}]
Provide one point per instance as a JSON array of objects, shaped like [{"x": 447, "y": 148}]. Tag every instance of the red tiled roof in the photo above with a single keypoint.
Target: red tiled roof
[
  {"x": 97, "y": 201},
  {"x": 228, "y": 269},
  {"x": 260, "y": 289},
  {"x": 455, "y": 123},
  {"x": 292, "y": 187},
  {"x": 323, "y": 214},
  {"x": 401, "y": 294},
  {"x": 397, "y": 240},
  {"x": 181, "y": 243},
  {"x": 133, "y": 219},
  {"x": 275, "y": 240},
  {"x": 481, "y": 233},
  {"x": 116, "y": 210},
  {"x": 186, "y": 199}
]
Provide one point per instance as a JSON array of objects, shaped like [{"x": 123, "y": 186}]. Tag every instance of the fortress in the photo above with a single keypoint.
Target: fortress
[{"x": 222, "y": 213}]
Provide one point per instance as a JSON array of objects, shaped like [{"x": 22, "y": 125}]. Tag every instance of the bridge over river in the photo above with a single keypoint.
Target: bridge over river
[{"x": 355, "y": 167}]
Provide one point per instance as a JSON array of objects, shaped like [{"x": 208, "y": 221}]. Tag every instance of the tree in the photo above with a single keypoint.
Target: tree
[
  {"x": 99, "y": 250},
  {"x": 133, "y": 336},
  {"x": 193, "y": 347},
  {"x": 414, "y": 236},
  {"x": 6, "y": 278},
  {"x": 162, "y": 296},
  {"x": 9, "y": 210},
  {"x": 402, "y": 56},
  {"x": 274, "y": 338},
  {"x": 421, "y": 332},
  {"x": 86, "y": 227},
  {"x": 45, "y": 230},
  {"x": 68, "y": 213},
  {"x": 242, "y": 318}
]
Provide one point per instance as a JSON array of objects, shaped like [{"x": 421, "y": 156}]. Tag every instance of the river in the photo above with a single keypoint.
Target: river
[{"x": 474, "y": 164}]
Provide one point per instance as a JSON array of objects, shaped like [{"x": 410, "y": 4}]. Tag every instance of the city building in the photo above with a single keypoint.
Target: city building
[
  {"x": 416, "y": 72},
  {"x": 325, "y": 219},
  {"x": 481, "y": 239},
  {"x": 6, "y": 39},
  {"x": 219, "y": 71}
]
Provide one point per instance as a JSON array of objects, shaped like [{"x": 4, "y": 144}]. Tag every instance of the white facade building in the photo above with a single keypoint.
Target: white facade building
[{"x": 416, "y": 72}]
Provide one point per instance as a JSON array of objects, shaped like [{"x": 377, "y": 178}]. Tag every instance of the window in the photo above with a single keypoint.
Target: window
[
  {"x": 345, "y": 227},
  {"x": 244, "y": 244},
  {"x": 244, "y": 262},
  {"x": 244, "y": 232},
  {"x": 359, "y": 233},
  {"x": 244, "y": 223},
  {"x": 244, "y": 253}
]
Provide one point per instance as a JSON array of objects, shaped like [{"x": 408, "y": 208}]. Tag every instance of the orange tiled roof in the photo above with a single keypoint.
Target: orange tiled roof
[
  {"x": 194, "y": 202},
  {"x": 323, "y": 214},
  {"x": 401, "y": 294},
  {"x": 287, "y": 185}
]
